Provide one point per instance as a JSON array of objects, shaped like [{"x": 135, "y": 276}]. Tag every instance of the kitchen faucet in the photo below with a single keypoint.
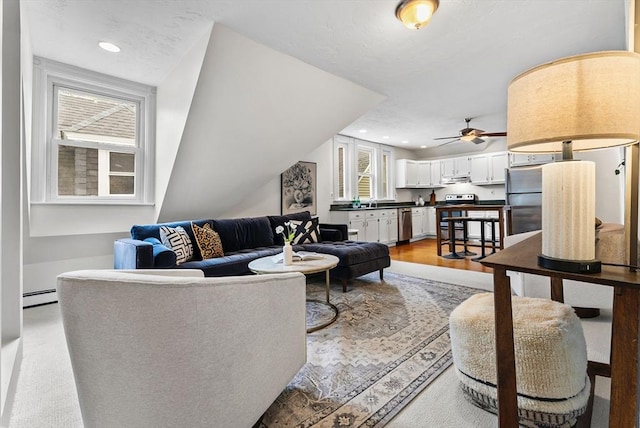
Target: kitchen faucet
[{"x": 371, "y": 201}]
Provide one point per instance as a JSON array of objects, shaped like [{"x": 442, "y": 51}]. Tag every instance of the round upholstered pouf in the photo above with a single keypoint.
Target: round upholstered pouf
[{"x": 550, "y": 352}]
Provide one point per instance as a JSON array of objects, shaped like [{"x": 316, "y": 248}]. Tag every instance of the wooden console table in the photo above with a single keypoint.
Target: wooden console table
[
  {"x": 465, "y": 208},
  {"x": 623, "y": 366}
]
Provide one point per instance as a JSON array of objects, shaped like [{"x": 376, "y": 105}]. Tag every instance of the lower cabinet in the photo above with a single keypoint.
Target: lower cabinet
[
  {"x": 388, "y": 226},
  {"x": 364, "y": 221},
  {"x": 418, "y": 222},
  {"x": 430, "y": 221}
]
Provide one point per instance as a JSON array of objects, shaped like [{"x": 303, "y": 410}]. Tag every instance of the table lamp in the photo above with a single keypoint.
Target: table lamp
[{"x": 582, "y": 102}]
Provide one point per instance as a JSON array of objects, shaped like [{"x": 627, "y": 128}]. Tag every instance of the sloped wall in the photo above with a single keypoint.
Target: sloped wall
[{"x": 255, "y": 112}]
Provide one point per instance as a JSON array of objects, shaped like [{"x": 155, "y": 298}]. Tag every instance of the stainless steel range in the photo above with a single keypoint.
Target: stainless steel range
[{"x": 460, "y": 198}]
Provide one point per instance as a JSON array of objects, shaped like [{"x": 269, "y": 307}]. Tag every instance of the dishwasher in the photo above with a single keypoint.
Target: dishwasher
[{"x": 405, "y": 231}]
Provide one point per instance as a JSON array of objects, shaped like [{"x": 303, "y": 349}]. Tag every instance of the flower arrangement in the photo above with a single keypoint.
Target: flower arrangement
[{"x": 288, "y": 237}]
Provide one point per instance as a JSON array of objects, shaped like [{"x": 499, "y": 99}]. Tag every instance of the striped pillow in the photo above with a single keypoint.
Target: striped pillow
[{"x": 176, "y": 239}]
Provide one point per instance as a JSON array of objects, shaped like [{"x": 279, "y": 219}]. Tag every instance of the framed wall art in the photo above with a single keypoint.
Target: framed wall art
[{"x": 298, "y": 190}]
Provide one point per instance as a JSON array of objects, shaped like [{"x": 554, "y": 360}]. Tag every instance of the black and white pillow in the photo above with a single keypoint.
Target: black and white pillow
[
  {"x": 307, "y": 231},
  {"x": 178, "y": 241}
]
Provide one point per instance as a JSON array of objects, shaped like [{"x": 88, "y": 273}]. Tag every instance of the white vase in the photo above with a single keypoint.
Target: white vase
[{"x": 287, "y": 251}]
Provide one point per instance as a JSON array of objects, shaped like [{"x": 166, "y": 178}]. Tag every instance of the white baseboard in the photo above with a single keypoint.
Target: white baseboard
[{"x": 39, "y": 298}]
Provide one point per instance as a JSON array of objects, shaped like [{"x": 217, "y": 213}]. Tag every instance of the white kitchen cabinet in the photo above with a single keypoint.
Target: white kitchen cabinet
[
  {"x": 424, "y": 173},
  {"x": 474, "y": 227},
  {"x": 365, "y": 221},
  {"x": 436, "y": 174},
  {"x": 455, "y": 167},
  {"x": 523, "y": 159},
  {"x": 497, "y": 167},
  {"x": 417, "y": 222},
  {"x": 430, "y": 221},
  {"x": 479, "y": 173},
  {"x": 406, "y": 173},
  {"x": 488, "y": 169},
  {"x": 417, "y": 174},
  {"x": 388, "y": 226}
]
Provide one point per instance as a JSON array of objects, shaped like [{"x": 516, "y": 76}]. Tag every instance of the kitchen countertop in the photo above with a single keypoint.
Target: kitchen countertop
[{"x": 394, "y": 205}]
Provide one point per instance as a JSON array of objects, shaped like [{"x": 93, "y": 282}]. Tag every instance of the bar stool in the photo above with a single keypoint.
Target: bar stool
[
  {"x": 452, "y": 237},
  {"x": 482, "y": 241},
  {"x": 451, "y": 228}
]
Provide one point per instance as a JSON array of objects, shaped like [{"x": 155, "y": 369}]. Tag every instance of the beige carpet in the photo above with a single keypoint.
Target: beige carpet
[{"x": 46, "y": 396}]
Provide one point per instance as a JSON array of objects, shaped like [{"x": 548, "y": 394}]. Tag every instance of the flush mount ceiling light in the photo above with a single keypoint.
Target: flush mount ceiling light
[
  {"x": 415, "y": 14},
  {"x": 109, "y": 47}
]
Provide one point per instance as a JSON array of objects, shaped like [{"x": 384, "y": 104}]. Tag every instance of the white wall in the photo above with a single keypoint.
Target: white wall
[
  {"x": 265, "y": 200},
  {"x": 255, "y": 112},
  {"x": 609, "y": 186},
  {"x": 173, "y": 101},
  {"x": 10, "y": 206}
]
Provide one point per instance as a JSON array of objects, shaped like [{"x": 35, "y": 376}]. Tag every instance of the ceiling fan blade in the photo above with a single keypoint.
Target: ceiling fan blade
[
  {"x": 448, "y": 142},
  {"x": 447, "y": 138},
  {"x": 478, "y": 140},
  {"x": 492, "y": 134}
]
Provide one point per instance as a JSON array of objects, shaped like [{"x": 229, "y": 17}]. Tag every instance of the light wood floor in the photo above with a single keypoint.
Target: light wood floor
[{"x": 425, "y": 252}]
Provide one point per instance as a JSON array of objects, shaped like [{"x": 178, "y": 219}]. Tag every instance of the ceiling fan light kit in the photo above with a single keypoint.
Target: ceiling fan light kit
[
  {"x": 415, "y": 14},
  {"x": 471, "y": 135}
]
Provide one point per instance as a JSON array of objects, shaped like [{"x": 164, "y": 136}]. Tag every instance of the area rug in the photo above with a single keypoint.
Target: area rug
[{"x": 389, "y": 342}]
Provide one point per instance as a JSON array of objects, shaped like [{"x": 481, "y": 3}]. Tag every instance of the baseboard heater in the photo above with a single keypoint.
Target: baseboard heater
[{"x": 39, "y": 298}]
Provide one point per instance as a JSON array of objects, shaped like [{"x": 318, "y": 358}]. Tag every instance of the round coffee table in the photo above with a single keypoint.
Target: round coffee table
[{"x": 324, "y": 263}]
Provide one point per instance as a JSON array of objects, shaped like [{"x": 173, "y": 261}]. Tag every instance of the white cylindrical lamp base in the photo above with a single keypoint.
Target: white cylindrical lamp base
[{"x": 569, "y": 210}]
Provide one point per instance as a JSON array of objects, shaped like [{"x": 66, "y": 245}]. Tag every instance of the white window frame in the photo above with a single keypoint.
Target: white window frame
[
  {"x": 341, "y": 142},
  {"x": 373, "y": 169},
  {"x": 351, "y": 147},
  {"x": 48, "y": 77}
]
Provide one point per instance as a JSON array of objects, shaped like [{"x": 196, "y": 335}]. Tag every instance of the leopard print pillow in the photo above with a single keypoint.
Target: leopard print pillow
[{"x": 208, "y": 241}]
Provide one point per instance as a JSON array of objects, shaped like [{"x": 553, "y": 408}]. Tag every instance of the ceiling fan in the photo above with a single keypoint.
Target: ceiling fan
[{"x": 472, "y": 135}]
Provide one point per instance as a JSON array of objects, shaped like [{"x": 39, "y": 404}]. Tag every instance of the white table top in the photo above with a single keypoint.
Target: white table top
[{"x": 267, "y": 265}]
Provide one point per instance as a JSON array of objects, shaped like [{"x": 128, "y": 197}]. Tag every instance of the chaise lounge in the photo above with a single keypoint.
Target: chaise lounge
[{"x": 246, "y": 239}]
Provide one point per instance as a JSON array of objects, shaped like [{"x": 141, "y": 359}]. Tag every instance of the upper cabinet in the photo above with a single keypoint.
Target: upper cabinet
[
  {"x": 481, "y": 169},
  {"x": 488, "y": 169},
  {"x": 417, "y": 174},
  {"x": 523, "y": 159},
  {"x": 455, "y": 167}
]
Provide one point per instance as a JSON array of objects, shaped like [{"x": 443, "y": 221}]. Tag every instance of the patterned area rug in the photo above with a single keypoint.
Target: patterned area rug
[{"x": 390, "y": 341}]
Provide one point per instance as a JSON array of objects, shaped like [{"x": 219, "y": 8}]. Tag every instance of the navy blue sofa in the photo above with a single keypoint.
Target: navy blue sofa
[{"x": 246, "y": 239}]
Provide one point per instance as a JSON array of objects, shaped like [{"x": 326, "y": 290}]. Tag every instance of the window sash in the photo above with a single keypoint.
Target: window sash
[{"x": 51, "y": 77}]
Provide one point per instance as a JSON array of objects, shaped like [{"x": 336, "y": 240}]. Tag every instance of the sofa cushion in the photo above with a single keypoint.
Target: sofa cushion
[
  {"x": 236, "y": 263},
  {"x": 243, "y": 233},
  {"x": 163, "y": 257},
  {"x": 178, "y": 241},
  {"x": 306, "y": 231},
  {"x": 144, "y": 231},
  {"x": 349, "y": 252},
  {"x": 280, "y": 220},
  {"x": 208, "y": 241}
]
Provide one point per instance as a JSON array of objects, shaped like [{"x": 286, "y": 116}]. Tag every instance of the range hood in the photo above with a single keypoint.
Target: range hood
[{"x": 457, "y": 179}]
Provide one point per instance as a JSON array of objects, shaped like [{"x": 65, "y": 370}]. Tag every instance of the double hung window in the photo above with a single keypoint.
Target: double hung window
[{"x": 96, "y": 139}]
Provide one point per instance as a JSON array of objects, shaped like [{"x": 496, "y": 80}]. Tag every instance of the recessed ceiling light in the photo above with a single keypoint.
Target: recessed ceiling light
[
  {"x": 423, "y": 147},
  {"x": 386, "y": 137},
  {"x": 405, "y": 142},
  {"x": 362, "y": 131},
  {"x": 110, "y": 47}
]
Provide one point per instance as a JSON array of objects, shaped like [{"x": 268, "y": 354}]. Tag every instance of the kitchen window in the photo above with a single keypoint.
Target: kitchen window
[
  {"x": 362, "y": 169},
  {"x": 93, "y": 139}
]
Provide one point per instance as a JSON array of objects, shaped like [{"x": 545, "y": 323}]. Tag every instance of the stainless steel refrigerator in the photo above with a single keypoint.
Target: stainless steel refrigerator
[{"x": 523, "y": 190}]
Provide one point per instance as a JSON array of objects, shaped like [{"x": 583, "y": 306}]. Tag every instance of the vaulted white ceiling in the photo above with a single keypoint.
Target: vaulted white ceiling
[{"x": 458, "y": 66}]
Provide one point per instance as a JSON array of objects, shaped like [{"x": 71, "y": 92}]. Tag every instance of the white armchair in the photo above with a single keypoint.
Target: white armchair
[
  {"x": 609, "y": 248},
  {"x": 169, "y": 351}
]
